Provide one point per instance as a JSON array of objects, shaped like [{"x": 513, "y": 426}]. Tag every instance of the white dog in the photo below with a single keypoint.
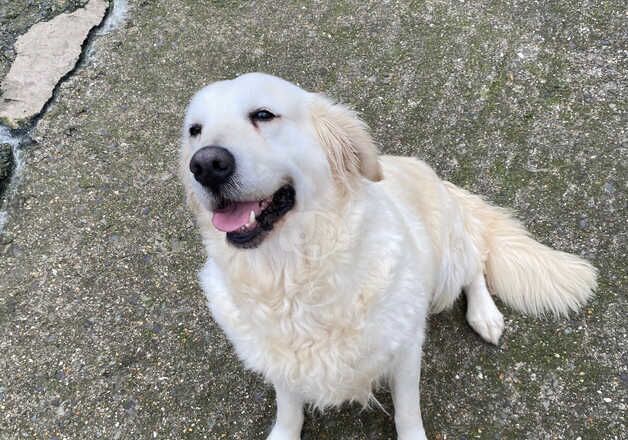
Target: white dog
[{"x": 325, "y": 259}]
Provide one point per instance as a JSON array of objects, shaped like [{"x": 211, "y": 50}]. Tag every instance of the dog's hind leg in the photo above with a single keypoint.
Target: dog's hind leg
[
  {"x": 289, "y": 415},
  {"x": 482, "y": 313},
  {"x": 405, "y": 392}
]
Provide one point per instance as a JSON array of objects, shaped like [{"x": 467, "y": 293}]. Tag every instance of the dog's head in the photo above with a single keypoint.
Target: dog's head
[{"x": 257, "y": 147}]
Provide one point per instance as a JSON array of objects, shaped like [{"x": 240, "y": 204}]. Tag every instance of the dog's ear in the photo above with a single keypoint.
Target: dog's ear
[{"x": 346, "y": 139}]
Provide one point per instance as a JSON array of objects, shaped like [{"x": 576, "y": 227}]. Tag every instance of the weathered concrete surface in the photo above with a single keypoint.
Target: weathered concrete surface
[
  {"x": 103, "y": 330},
  {"x": 17, "y": 16},
  {"x": 47, "y": 52}
]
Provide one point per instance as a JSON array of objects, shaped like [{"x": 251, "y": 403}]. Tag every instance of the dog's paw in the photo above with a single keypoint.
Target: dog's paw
[
  {"x": 282, "y": 434},
  {"x": 412, "y": 434},
  {"x": 488, "y": 323}
]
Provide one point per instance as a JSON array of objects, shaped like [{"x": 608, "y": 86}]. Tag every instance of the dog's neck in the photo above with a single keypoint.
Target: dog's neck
[{"x": 307, "y": 243}]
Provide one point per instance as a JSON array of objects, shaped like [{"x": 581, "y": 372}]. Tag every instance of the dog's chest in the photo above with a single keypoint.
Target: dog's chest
[{"x": 322, "y": 337}]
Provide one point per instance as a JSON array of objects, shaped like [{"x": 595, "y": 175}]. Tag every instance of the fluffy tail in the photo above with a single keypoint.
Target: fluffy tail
[{"x": 524, "y": 273}]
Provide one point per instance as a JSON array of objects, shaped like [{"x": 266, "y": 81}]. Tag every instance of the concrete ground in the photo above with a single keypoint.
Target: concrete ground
[{"x": 104, "y": 332}]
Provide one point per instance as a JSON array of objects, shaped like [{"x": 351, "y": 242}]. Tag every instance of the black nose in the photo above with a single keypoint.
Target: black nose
[{"x": 212, "y": 166}]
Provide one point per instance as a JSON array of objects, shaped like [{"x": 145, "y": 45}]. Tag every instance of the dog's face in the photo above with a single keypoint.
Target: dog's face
[{"x": 257, "y": 147}]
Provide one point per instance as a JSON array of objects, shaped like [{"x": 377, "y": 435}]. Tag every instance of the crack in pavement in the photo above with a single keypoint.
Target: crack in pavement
[{"x": 13, "y": 139}]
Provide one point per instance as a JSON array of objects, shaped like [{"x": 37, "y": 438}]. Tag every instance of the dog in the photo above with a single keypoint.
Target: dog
[{"x": 325, "y": 258}]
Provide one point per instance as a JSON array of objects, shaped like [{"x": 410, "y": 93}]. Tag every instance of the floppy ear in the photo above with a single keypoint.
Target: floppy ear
[{"x": 346, "y": 139}]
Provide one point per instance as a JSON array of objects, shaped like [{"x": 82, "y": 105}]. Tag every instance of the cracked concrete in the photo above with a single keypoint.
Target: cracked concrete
[
  {"x": 103, "y": 330},
  {"x": 17, "y": 17},
  {"x": 47, "y": 52}
]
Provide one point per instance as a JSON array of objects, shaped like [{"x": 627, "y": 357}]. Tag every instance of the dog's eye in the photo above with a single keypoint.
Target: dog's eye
[
  {"x": 195, "y": 129},
  {"x": 261, "y": 115}
]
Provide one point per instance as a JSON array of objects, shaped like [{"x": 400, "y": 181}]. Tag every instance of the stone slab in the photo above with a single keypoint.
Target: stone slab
[{"x": 47, "y": 52}]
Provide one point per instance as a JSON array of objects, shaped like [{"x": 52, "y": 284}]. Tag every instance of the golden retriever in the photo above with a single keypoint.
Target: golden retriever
[{"x": 325, "y": 258}]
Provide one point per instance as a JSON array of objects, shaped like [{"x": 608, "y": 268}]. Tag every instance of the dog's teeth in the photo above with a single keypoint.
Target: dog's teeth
[{"x": 251, "y": 218}]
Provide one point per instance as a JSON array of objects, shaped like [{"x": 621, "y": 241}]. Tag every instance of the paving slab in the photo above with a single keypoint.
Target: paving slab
[
  {"x": 18, "y": 16},
  {"x": 104, "y": 332},
  {"x": 45, "y": 54}
]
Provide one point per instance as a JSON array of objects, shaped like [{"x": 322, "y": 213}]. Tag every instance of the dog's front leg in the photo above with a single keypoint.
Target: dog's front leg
[
  {"x": 289, "y": 415},
  {"x": 405, "y": 391}
]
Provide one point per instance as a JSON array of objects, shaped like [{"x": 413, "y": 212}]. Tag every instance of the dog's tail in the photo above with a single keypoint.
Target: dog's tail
[{"x": 524, "y": 273}]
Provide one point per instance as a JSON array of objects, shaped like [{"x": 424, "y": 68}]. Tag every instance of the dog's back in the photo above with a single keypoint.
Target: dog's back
[
  {"x": 454, "y": 236},
  {"x": 471, "y": 235}
]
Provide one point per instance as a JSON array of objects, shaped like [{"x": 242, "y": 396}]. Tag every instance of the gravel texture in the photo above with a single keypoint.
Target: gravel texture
[{"x": 104, "y": 332}]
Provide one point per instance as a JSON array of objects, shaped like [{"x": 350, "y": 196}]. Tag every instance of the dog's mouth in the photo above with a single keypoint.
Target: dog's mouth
[{"x": 248, "y": 223}]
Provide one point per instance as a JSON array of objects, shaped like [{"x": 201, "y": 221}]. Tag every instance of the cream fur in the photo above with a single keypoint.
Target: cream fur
[{"x": 336, "y": 297}]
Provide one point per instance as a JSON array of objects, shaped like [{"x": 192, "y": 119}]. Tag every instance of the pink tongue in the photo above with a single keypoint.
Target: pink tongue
[{"x": 235, "y": 216}]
